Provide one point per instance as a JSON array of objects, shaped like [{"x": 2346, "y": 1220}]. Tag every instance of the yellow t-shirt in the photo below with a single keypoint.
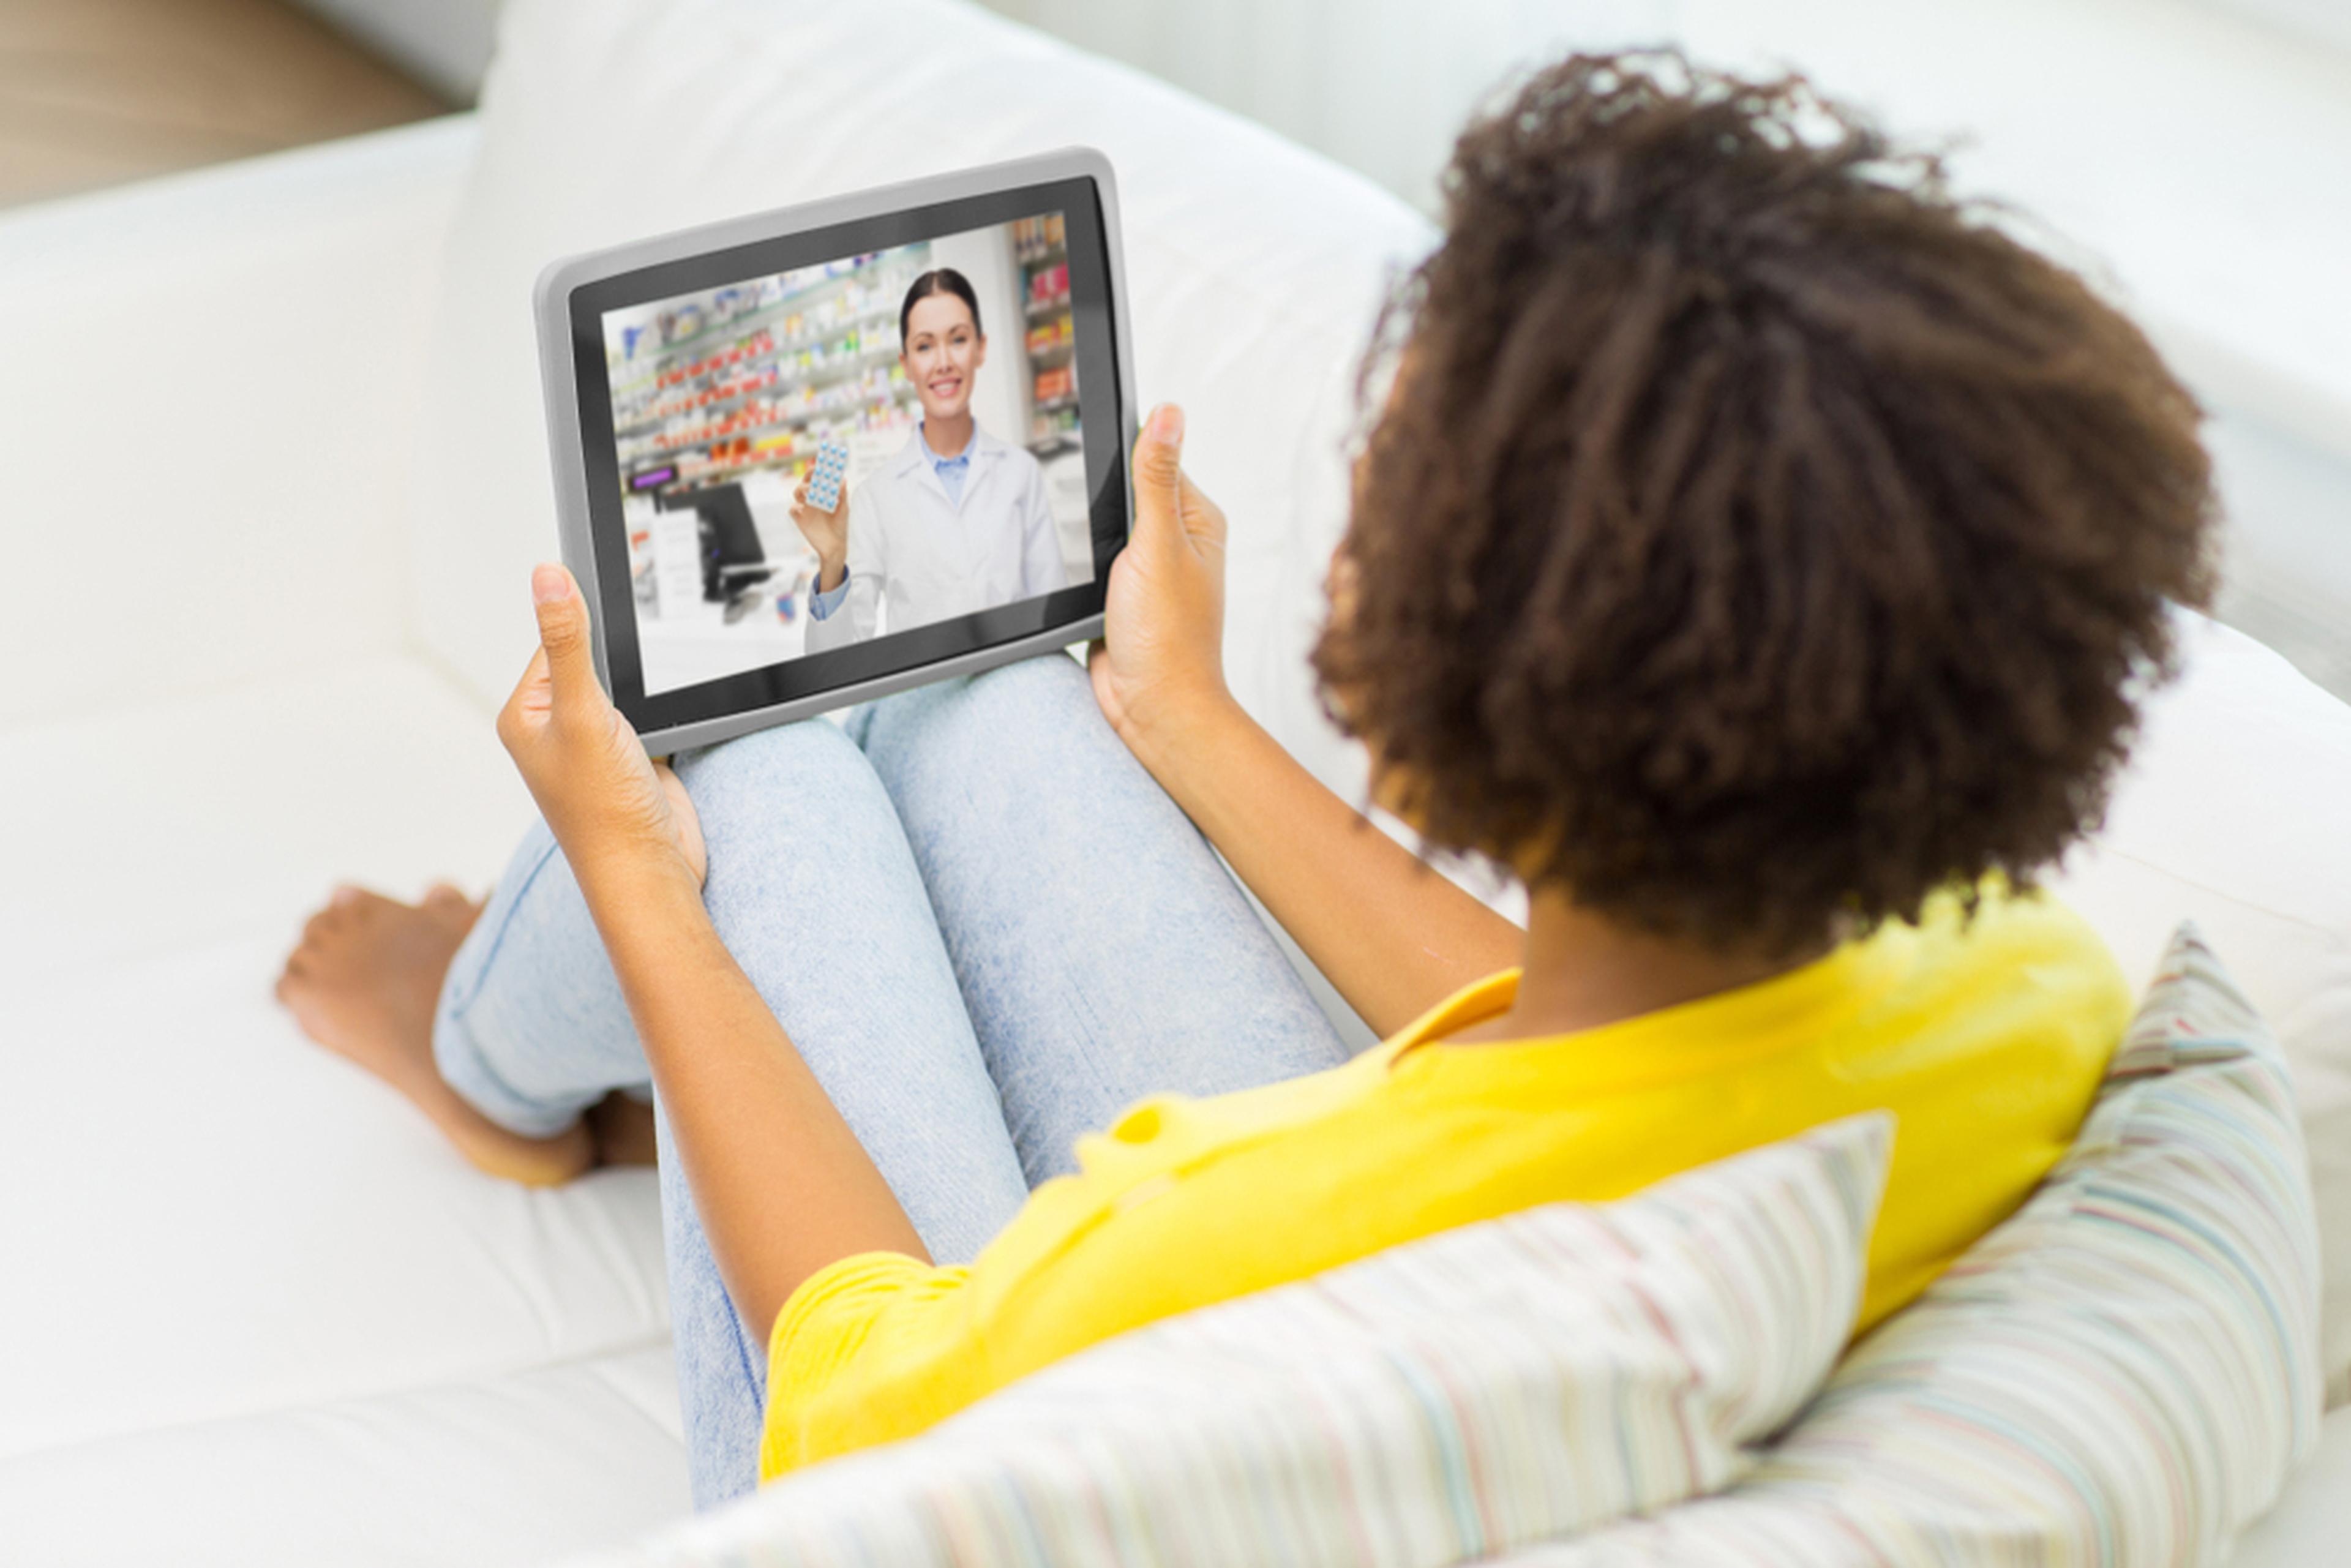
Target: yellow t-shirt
[{"x": 1986, "y": 1042}]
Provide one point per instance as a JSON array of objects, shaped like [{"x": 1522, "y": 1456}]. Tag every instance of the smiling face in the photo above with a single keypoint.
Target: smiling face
[{"x": 942, "y": 353}]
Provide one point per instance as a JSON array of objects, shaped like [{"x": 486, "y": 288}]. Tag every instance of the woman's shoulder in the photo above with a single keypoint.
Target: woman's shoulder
[
  {"x": 1009, "y": 452},
  {"x": 2004, "y": 922},
  {"x": 2030, "y": 946}
]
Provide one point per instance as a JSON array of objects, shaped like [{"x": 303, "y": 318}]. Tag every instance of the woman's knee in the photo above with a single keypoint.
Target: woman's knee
[
  {"x": 805, "y": 760},
  {"x": 786, "y": 797},
  {"x": 1037, "y": 702},
  {"x": 1048, "y": 678}
]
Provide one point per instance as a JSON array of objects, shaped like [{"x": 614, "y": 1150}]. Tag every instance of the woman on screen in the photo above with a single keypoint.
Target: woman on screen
[{"x": 956, "y": 520}]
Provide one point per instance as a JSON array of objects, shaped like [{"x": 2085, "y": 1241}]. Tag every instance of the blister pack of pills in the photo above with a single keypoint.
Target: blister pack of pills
[{"x": 824, "y": 479}]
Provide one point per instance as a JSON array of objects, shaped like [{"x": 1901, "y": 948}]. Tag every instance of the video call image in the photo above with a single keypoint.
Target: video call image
[{"x": 830, "y": 454}]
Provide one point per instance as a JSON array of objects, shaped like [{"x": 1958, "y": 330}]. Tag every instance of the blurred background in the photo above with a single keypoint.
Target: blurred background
[{"x": 2193, "y": 156}]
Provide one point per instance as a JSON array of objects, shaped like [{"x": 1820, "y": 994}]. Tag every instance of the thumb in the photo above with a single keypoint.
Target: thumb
[
  {"x": 563, "y": 633},
  {"x": 1159, "y": 473}
]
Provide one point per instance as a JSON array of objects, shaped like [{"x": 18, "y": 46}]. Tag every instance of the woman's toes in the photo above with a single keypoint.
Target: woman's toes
[
  {"x": 448, "y": 899},
  {"x": 447, "y": 903}
]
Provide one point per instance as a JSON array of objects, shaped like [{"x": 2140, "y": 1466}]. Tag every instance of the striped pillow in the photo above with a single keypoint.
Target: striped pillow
[
  {"x": 1458, "y": 1395},
  {"x": 2124, "y": 1372}
]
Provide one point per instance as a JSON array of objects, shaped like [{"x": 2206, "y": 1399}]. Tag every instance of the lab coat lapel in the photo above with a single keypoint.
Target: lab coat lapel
[
  {"x": 947, "y": 547},
  {"x": 963, "y": 551},
  {"x": 985, "y": 451},
  {"x": 913, "y": 465}
]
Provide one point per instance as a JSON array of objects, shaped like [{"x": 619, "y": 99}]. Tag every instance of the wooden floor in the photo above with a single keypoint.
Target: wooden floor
[{"x": 95, "y": 92}]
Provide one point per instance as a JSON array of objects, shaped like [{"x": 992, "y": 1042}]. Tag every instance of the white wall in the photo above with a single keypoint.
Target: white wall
[
  {"x": 2322, "y": 21},
  {"x": 1380, "y": 85}
]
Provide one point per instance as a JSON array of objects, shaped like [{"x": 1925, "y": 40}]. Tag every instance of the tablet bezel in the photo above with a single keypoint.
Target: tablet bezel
[{"x": 570, "y": 299}]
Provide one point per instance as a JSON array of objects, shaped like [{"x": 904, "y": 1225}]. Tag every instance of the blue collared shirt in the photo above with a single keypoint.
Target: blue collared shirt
[{"x": 952, "y": 471}]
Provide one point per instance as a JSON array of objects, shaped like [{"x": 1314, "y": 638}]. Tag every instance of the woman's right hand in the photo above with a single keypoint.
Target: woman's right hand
[
  {"x": 827, "y": 534},
  {"x": 1160, "y": 664}
]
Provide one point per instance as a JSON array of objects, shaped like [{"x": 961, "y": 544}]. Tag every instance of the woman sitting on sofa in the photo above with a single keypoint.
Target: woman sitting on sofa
[{"x": 1755, "y": 550}]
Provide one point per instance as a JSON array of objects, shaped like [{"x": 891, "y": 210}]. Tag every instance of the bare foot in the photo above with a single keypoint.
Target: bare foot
[{"x": 364, "y": 983}]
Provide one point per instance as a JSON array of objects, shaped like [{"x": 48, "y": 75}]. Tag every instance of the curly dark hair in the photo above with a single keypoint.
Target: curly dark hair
[{"x": 1752, "y": 538}]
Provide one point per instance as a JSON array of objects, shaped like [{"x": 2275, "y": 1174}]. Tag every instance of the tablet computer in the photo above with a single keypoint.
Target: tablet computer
[{"x": 814, "y": 455}]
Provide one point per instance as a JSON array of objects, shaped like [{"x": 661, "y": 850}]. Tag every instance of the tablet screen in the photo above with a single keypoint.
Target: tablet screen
[
  {"x": 849, "y": 455},
  {"x": 827, "y": 455}
]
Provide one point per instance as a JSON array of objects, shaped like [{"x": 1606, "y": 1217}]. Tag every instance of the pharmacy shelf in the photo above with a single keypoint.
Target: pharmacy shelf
[
  {"x": 797, "y": 300},
  {"x": 797, "y": 421},
  {"x": 858, "y": 363},
  {"x": 648, "y": 385}
]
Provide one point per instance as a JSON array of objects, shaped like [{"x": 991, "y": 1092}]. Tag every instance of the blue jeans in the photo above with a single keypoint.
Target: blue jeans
[{"x": 983, "y": 925}]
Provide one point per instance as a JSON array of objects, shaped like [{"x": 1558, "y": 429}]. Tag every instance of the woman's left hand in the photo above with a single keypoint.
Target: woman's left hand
[{"x": 608, "y": 803}]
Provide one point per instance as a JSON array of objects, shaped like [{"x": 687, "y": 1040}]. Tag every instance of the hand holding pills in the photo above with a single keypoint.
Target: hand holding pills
[
  {"x": 824, "y": 480},
  {"x": 820, "y": 512}
]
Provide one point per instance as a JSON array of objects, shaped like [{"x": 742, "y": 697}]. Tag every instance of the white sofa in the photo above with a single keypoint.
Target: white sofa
[{"x": 252, "y": 1310}]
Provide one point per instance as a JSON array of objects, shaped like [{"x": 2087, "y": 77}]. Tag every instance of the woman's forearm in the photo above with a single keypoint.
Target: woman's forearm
[
  {"x": 1394, "y": 936},
  {"x": 781, "y": 1183}
]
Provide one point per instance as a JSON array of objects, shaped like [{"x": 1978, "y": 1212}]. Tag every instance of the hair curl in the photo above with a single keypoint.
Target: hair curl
[{"x": 1753, "y": 538}]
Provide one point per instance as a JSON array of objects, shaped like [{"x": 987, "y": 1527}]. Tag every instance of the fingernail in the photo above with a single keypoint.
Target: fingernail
[
  {"x": 1167, "y": 424},
  {"x": 548, "y": 584}
]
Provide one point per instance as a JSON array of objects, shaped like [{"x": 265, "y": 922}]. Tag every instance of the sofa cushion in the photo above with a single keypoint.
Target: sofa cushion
[
  {"x": 508, "y": 1469},
  {"x": 2125, "y": 1371},
  {"x": 1445, "y": 1399},
  {"x": 2235, "y": 812},
  {"x": 206, "y": 1217}
]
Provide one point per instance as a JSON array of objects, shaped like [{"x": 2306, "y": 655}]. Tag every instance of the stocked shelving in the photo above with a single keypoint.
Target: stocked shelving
[
  {"x": 701, "y": 384},
  {"x": 1040, "y": 249}
]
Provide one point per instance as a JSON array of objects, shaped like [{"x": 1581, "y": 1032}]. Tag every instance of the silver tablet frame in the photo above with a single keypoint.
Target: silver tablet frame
[{"x": 551, "y": 307}]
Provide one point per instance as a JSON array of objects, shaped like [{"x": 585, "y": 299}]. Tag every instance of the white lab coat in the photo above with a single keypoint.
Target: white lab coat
[{"x": 930, "y": 559}]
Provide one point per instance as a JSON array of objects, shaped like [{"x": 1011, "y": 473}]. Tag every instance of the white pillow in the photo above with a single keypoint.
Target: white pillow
[
  {"x": 1254, "y": 268},
  {"x": 1438, "y": 1402},
  {"x": 2125, "y": 1371}
]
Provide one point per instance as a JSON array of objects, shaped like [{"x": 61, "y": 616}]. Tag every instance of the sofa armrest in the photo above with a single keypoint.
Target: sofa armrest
[{"x": 218, "y": 375}]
